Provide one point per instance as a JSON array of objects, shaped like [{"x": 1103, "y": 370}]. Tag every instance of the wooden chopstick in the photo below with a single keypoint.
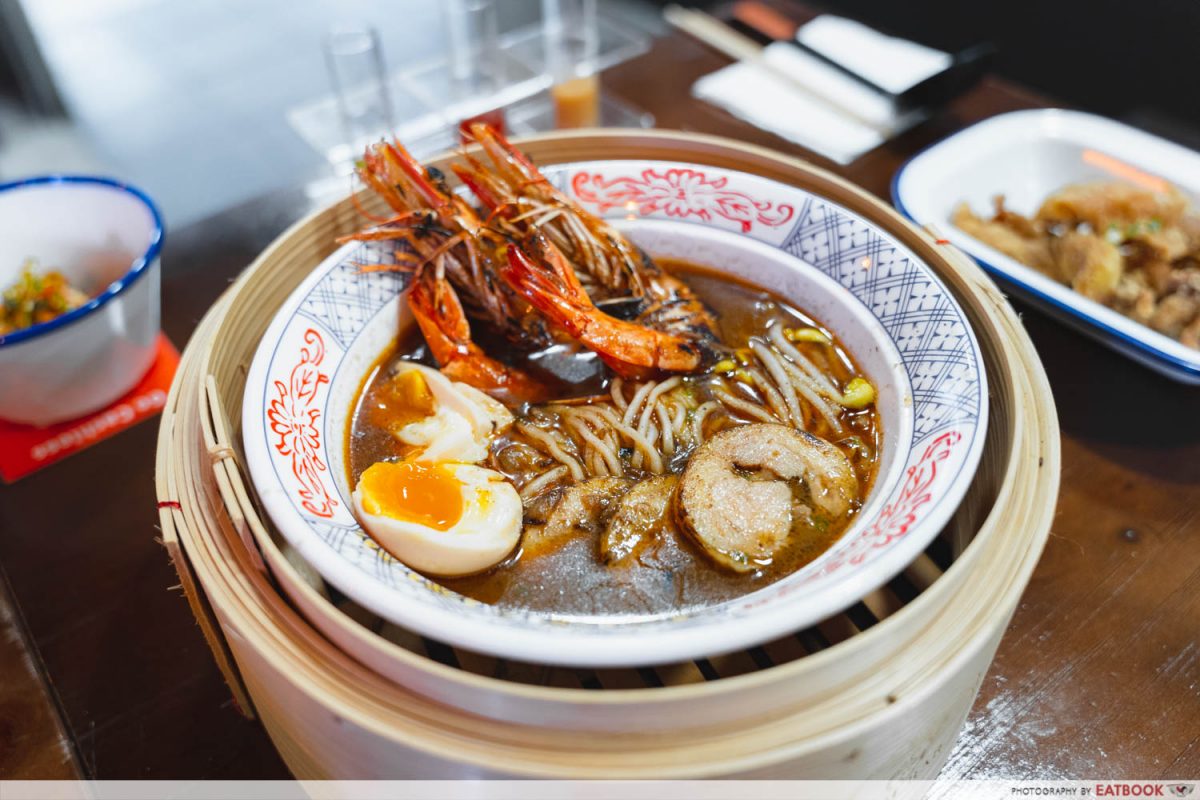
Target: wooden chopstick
[{"x": 719, "y": 36}]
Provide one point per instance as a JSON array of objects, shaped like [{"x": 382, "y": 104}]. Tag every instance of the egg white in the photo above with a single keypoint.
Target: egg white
[
  {"x": 444, "y": 436},
  {"x": 491, "y": 416},
  {"x": 488, "y": 530}
]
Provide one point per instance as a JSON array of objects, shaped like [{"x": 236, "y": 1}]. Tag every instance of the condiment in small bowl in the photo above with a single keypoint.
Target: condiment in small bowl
[{"x": 104, "y": 236}]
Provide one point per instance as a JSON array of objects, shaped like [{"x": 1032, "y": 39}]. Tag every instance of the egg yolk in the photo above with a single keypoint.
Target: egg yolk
[
  {"x": 427, "y": 494},
  {"x": 403, "y": 399}
]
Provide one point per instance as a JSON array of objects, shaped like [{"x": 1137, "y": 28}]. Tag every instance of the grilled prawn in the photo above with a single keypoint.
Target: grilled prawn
[
  {"x": 444, "y": 232},
  {"x": 551, "y": 286},
  {"x": 444, "y": 326},
  {"x": 522, "y": 202}
]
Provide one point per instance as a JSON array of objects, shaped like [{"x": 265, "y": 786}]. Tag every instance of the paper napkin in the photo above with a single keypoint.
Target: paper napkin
[{"x": 862, "y": 119}]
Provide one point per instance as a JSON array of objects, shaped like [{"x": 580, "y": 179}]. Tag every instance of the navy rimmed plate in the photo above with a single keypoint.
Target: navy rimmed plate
[{"x": 1027, "y": 155}]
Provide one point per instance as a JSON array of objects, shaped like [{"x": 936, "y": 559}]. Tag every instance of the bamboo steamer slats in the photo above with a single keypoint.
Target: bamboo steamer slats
[{"x": 879, "y": 691}]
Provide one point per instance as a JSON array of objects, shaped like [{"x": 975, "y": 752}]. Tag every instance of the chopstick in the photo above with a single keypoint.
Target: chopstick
[{"x": 716, "y": 34}]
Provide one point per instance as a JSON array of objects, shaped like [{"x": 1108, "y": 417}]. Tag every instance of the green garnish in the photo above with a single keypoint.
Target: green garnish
[
  {"x": 37, "y": 297},
  {"x": 1140, "y": 227},
  {"x": 859, "y": 393}
]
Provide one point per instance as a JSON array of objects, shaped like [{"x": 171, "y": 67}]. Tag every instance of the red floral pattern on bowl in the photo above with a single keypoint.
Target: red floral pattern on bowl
[{"x": 678, "y": 192}]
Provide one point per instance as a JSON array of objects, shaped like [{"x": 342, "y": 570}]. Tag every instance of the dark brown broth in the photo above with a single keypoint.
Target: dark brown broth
[{"x": 672, "y": 573}]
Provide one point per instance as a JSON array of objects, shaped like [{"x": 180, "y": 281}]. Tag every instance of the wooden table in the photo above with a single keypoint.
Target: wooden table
[{"x": 1098, "y": 675}]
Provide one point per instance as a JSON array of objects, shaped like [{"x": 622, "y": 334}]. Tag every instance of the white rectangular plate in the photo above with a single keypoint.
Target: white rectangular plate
[{"x": 1027, "y": 155}]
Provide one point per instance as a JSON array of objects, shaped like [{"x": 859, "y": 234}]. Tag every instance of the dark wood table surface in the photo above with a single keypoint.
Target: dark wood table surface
[{"x": 103, "y": 672}]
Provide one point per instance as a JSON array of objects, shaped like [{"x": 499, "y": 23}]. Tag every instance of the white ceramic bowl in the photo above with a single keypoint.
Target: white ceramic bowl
[
  {"x": 905, "y": 330},
  {"x": 105, "y": 236},
  {"x": 1027, "y": 155}
]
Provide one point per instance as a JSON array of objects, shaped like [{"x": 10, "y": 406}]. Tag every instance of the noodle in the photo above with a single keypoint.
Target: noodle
[
  {"x": 771, "y": 362},
  {"x": 603, "y": 452},
  {"x": 668, "y": 438},
  {"x": 698, "y": 419},
  {"x": 780, "y": 385},
  {"x": 772, "y": 395},
  {"x": 652, "y": 400},
  {"x": 804, "y": 385},
  {"x": 636, "y": 402},
  {"x": 798, "y": 358},
  {"x": 618, "y": 395},
  {"x": 535, "y": 486},
  {"x": 553, "y": 449},
  {"x": 645, "y": 451},
  {"x": 680, "y": 419},
  {"x": 749, "y": 409}
]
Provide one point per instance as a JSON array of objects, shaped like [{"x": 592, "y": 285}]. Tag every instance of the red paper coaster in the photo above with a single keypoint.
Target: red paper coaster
[{"x": 25, "y": 448}]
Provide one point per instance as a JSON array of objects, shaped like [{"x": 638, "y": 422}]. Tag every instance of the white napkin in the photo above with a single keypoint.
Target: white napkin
[
  {"x": 894, "y": 64},
  {"x": 859, "y": 119}
]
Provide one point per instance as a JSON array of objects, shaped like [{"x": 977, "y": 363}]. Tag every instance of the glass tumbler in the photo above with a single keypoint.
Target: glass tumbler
[
  {"x": 569, "y": 31},
  {"x": 476, "y": 71},
  {"x": 356, "y": 70}
]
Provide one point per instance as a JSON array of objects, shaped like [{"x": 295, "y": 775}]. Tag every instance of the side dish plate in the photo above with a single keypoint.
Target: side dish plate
[
  {"x": 906, "y": 330},
  {"x": 1026, "y": 156}
]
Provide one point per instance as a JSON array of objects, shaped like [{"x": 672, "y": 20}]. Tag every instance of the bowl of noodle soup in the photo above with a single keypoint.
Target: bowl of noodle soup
[{"x": 811, "y": 300}]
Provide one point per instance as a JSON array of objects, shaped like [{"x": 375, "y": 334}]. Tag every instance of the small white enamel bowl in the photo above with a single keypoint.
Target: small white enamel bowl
[{"x": 105, "y": 237}]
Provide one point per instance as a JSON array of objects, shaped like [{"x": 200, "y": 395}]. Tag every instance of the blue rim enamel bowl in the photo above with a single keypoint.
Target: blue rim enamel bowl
[
  {"x": 1026, "y": 156},
  {"x": 106, "y": 237}
]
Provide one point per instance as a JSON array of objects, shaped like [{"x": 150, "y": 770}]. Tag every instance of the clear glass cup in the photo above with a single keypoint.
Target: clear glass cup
[
  {"x": 476, "y": 69},
  {"x": 571, "y": 39},
  {"x": 474, "y": 46},
  {"x": 359, "y": 78}
]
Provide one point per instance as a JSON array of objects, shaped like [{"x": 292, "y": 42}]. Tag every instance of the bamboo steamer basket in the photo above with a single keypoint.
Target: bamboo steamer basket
[{"x": 880, "y": 691}]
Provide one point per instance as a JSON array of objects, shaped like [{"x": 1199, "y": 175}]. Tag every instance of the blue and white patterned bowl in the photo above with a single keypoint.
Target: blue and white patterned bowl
[{"x": 903, "y": 327}]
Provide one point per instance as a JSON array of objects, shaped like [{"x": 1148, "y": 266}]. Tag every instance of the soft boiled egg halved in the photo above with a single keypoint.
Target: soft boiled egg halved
[
  {"x": 444, "y": 519},
  {"x": 436, "y": 510}
]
